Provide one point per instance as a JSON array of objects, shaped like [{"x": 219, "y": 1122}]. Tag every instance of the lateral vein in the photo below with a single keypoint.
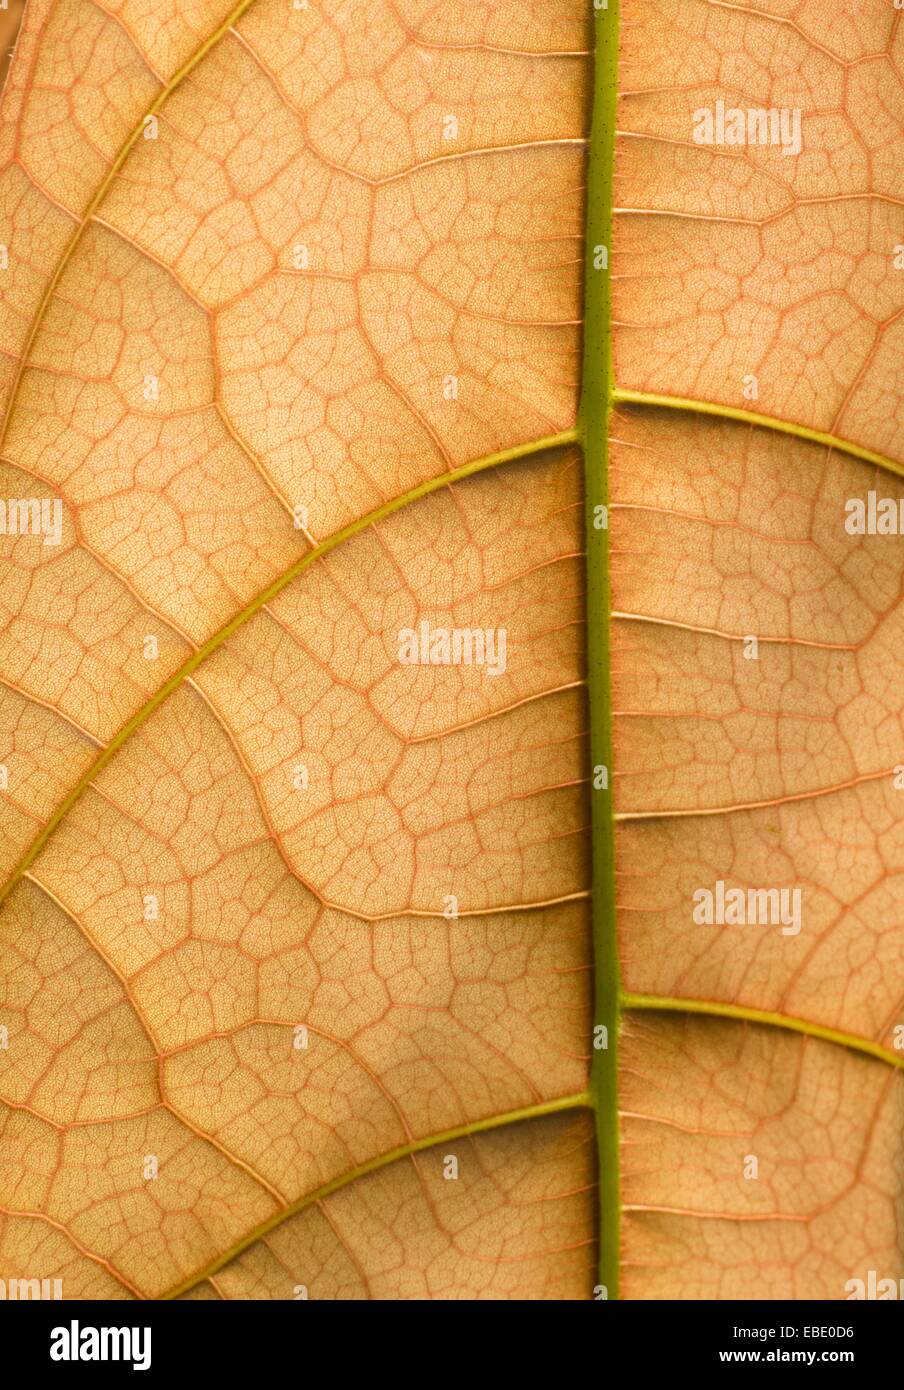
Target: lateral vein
[
  {"x": 716, "y": 1009},
  {"x": 72, "y": 245},
  {"x": 624, "y": 396},
  {"x": 198, "y": 657},
  {"x": 578, "y": 1101}
]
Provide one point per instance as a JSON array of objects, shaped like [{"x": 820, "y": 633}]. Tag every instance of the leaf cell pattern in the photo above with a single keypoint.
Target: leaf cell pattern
[{"x": 297, "y": 941}]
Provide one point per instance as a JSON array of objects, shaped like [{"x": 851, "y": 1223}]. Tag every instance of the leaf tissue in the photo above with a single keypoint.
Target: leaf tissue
[{"x": 451, "y": 649}]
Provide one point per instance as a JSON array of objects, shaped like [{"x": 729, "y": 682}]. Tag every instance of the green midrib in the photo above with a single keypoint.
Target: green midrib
[{"x": 593, "y": 428}]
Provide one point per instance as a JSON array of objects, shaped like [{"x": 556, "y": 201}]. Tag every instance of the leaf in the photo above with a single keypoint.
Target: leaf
[
  {"x": 296, "y": 934},
  {"x": 232, "y": 974}
]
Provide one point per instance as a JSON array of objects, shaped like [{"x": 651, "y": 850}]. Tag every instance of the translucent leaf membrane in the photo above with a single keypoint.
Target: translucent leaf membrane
[
  {"x": 174, "y": 1032},
  {"x": 757, "y": 1164},
  {"x": 517, "y": 1222},
  {"x": 270, "y": 270},
  {"x": 769, "y": 259},
  {"x": 778, "y": 771},
  {"x": 757, "y": 648},
  {"x": 294, "y": 914}
]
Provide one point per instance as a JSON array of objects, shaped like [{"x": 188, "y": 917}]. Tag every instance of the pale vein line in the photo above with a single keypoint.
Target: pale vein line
[
  {"x": 165, "y": 1101},
  {"x": 767, "y": 221},
  {"x": 453, "y": 156},
  {"x": 551, "y": 1107},
  {"x": 75, "y": 240},
  {"x": 766, "y": 802},
  {"x": 414, "y": 38},
  {"x": 808, "y": 39},
  {"x": 213, "y": 643},
  {"x": 30, "y": 698},
  {"x": 731, "y": 636},
  {"x": 643, "y": 1207},
  {"x": 490, "y": 715},
  {"x": 73, "y": 1240}
]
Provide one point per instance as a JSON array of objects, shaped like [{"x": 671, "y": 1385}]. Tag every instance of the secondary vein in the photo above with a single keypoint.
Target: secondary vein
[
  {"x": 625, "y": 396},
  {"x": 198, "y": 657}
]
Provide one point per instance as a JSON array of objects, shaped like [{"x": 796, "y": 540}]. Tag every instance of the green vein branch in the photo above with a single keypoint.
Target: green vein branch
[
  {"x": 266, "y": 596},
  {"x": 530, "y": 1112}
]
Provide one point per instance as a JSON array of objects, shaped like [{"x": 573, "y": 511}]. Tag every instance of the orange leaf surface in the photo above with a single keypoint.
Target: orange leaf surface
[{"x": 301, "y": 910}]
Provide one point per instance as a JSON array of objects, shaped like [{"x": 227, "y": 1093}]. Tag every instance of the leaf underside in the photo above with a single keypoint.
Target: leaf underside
[{"x": 297, "y": 941}]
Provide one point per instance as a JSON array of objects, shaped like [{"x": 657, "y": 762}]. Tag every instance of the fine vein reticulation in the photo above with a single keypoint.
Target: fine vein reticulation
[
  {"x": 616, "y": 1007},
  {"x": 595, "y": 414},
  {"x": 197, "y": 659}
]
